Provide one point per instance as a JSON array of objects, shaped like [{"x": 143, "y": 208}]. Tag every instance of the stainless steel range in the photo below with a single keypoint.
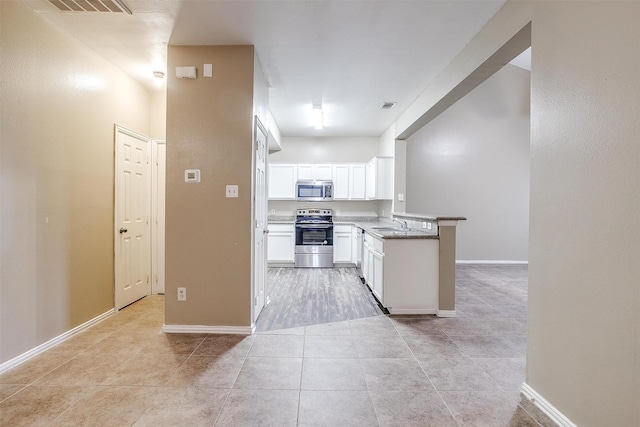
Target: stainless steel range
[{"x": 314, "y": 238}]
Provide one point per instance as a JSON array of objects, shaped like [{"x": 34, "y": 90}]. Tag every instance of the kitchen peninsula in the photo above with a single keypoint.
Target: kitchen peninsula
[{"x": 407, "y": 261}]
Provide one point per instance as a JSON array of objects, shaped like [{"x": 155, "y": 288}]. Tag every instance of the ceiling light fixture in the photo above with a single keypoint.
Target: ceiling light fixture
[
  {"x": 158, "y": 74},
  {"x": 387, "y": 105},
  {"x": 317, "y": 116}
]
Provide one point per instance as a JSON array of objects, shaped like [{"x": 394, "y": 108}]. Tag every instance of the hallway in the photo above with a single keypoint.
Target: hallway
[{"x": 363, "y": 372}]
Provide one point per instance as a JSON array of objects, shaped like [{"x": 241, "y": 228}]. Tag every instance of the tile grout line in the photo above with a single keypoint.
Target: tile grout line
[
  {"x": 425, "y": 373},
  {"x": 234, "y": 383}
]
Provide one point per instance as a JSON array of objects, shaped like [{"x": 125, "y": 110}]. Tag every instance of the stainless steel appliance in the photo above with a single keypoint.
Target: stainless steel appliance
[
  {"x": 314, "y": 191},
  {"x": 314, "y": 238}
]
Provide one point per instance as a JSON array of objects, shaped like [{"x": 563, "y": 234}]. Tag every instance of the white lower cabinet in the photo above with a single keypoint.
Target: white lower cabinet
[
  {"x": 402, "y": 273},
  {"x": 342, "y": 243},
  {"x": 373, "y": 265},
  {"x": 281, "y": 243}
]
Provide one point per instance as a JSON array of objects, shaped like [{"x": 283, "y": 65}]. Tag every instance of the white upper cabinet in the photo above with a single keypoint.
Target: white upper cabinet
[
  {"x": 349, "y": 182},
  {"x": 380, "y": 178},
  {"x": 315, "y": 172},
  {"x": 341, "y": 182},
  {"x": 282, "y": 181},
  {"x": 357, "y": 182}
]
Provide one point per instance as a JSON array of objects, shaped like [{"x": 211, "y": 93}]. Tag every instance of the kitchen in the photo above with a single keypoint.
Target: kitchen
[{"x": 351, "y": 226}]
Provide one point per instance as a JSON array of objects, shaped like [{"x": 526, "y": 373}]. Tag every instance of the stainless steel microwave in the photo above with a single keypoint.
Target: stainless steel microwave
[{"x": 314, "y": 191}]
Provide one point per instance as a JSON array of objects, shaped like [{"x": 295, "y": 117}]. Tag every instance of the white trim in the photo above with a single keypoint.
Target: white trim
[
  {"x": 201, "y": 329},
  {"x": 446, "y": 313},
  {"x": 412, "y": 310},
  {"x": 543, "y": 404},
  {"x": 158, "y": 175},
  {"x": 485, "y": 261},
  {"x": 12, "y": 363}
]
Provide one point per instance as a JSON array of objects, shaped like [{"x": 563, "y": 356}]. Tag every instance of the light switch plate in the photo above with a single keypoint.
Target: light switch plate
[
  {"x": 208, "y": 70},
  {"x": 401, "y": 197},
  {"x": 232, "y": 191}
]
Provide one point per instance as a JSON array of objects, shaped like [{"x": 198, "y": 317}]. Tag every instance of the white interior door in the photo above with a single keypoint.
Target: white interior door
[
  {"x": 260, "y": 205},
  {"x": 158, "y": 174},
  {"x": 132, "y": 243}
]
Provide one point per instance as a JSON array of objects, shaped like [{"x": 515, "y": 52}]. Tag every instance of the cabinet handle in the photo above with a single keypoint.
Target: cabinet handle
[{"x": 123, "y": 230}]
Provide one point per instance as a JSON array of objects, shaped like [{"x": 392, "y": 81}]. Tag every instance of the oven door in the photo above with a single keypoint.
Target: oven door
[{"x": 314, "y": 234}]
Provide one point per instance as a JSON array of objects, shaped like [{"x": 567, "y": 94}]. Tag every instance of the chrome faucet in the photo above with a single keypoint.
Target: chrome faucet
[{"x": 403, "y": 224}]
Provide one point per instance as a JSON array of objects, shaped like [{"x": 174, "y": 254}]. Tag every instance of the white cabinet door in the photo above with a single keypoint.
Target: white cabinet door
[
  {"x": 281, "y": 243},
  {"x": 380, "y": 179},
  {"x": 324, "y": 172},
  {"x": 355, "y": 250},
  {"x": 377, "y": 273},
  {"x": 357, "y": 182},
  {"x": 366, "y": 262},
  {"x": 306, "y": 172},
  {"x": 371, "y": 180},
  {"x": 315, "y": 172},
  {"x": 282, "y": 181},
  {"x": 342, "y": 243},
  {"x": 341, "y": 182}
]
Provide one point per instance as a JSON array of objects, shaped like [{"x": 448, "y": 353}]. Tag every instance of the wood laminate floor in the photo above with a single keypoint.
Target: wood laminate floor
[{"x": 309, "y": 296}]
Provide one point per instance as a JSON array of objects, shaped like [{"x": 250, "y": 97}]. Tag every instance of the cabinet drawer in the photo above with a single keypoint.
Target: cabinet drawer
[
  {"x": 342, "y": 229},
  {"x": 375, "y": 243},
  {"x": 281, "y": 228}
]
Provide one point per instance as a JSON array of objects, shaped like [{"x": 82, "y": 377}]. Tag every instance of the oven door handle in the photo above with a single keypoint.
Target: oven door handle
[{"x": 319, "y": 226}]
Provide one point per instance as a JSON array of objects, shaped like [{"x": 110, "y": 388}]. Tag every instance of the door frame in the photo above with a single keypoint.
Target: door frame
[
  {"x": 258, "y": 127},
  {"x": 157, "y": 218},
  {"x": 118, "y": 129}
]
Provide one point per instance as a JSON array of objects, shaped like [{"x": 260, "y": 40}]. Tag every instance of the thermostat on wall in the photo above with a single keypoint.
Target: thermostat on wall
[{"x": 192, "y": 175}]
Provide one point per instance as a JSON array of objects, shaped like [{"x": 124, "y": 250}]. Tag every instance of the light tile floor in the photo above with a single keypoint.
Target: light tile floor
[{"x": 417, "y": 371}]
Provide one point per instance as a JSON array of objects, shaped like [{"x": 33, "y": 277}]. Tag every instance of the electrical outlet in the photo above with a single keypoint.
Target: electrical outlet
[
  {"x": 424, "y": 224},
  {"x": 273, "y": 211},
  {"x": 338, "y": 212},
  {"x": 429, "y": 225},
  {"x": 182, "y": 294},
  {"x": 232, "y": 191}
]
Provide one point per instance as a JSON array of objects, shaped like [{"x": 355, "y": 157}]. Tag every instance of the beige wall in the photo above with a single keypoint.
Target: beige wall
[
  {"x": 584, "y": 311},
  {"x": 208, "y": 236},
  {"x": 59, "y": 103},
  {"x": 158, "y": 114},
  {"x": 583, "y": 337},
  {"x": 473, "y": 160}
]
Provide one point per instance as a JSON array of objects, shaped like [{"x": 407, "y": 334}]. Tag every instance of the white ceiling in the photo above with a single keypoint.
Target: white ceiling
[{"x": 349, "y": 56}]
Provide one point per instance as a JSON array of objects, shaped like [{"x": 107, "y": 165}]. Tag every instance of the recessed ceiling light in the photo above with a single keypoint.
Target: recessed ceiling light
[{"x": 387, "y": 105}]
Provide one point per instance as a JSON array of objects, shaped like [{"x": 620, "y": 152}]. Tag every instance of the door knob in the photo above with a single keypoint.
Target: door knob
[{"x": 123, "y": 230}]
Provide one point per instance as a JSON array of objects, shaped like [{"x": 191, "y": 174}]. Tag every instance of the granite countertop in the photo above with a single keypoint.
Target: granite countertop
[{"x": 369, "y": 225}]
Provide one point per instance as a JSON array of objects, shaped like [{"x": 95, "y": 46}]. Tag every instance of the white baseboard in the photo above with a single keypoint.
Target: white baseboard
[
  {"x": 412, "y": 310},
  {"x": 201, "y": 329},
  {"x": 52, "y": 342},
  {"x": 546, "y": 407},
  {"x": 446, "y": 313},
  {"x": 484, "y": 261}
]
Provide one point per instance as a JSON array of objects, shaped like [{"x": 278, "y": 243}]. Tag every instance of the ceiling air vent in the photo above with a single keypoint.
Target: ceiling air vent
[
  {"x": 108, "y": 6},
  {"x": 387, "y": 105}
]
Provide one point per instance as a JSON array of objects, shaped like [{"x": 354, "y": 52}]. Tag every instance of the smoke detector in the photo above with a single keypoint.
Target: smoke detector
[
  {"x": 107, "y": 6},
  {"x": 387, "y": 105}
]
